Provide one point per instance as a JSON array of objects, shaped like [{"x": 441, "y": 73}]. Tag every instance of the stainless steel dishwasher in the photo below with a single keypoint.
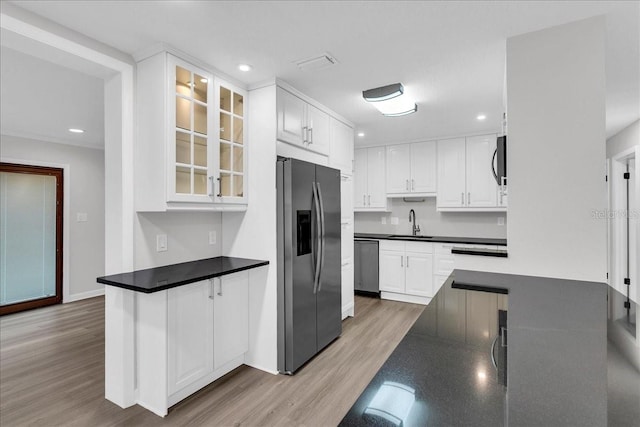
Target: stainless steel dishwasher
[{"x": 366, "y": 266}]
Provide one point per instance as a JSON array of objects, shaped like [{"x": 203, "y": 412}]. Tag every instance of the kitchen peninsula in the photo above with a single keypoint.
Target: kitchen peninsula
[
  {"x": 191, "y": 326},
  {"x": 497, "y": 349}
]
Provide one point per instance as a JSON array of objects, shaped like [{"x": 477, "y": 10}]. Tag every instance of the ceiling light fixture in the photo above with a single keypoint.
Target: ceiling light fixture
[
  {"x": 391, "y": 100},
  {"x": 360, "y": 134},
  {"x": 244, "y": 67},
  {"x": 203, "y": 80},
  {"x": 481, "y": 117},
  {"x": 74, "y": 130}
]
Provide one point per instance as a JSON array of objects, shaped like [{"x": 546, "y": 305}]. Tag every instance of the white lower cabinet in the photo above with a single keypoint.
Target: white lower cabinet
[
  {"x": 189, "y": 336},
  {"x": 406, "y": 271},
  {"x": 230, "y": 318},
  {"x": 418, "y": 271}
]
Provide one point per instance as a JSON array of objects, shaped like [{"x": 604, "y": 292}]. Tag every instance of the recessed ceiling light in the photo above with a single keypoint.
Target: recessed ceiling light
[
  {"x": 360, "y": 134},
  {"x": 74, "y": 130},
  {"x": 481, "y": 117},
  {"x": 203, "y": 80},
  {"x": 244, "y": 67}
]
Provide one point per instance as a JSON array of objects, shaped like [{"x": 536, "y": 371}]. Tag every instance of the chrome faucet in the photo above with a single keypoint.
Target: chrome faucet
[{"x": 415, "y": 228}]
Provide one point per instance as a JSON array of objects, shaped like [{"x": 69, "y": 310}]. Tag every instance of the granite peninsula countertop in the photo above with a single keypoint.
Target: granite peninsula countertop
[
  {"x": 550, "y": 365},
  {"x": 170, "y": 276}
]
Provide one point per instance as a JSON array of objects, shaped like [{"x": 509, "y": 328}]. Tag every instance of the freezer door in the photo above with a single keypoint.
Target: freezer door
[
  {"x": 300, "y": 252},
  {"x": 329, "y": 295}
]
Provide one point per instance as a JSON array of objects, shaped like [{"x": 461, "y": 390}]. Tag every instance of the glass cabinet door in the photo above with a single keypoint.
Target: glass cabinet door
[
  {"x": 232, "y": 144},
  {"x": 191, "y": 131}
]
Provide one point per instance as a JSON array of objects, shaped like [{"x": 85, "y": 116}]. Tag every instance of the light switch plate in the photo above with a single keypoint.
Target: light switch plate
[
  {"x": 81, "y": 217},
  {"x": 500, "y": 220},
  {"x": 212, "y": 237},
  {"x": 394, "y": 220},
  {"x": 161, "y": 242}
]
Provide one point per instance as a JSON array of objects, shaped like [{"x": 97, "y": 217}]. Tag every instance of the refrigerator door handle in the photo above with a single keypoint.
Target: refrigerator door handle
[
  {"x": 318, "y": 251},
  {"x": 321, "y": 236}
]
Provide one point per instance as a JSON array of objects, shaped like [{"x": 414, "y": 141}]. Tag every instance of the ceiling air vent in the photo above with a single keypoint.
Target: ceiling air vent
[{"x": 317, "y": 62}]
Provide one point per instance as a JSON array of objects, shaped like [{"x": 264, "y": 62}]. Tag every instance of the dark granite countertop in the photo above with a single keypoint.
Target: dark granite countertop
[
  {"x": 439, "y": 239},
  {"x": 499, "y": 253},
  {"x": 170, "y": 276},
  {"x": 553, "y": 357}
]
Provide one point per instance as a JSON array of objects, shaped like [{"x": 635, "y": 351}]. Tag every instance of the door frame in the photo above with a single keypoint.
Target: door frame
[{"x": 58, "y": 173}]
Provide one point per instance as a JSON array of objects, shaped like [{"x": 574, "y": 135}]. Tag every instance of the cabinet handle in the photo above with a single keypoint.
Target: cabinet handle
[
  {"x": 401, "y": 261},
  {"x": 407, "y": 261},
  {"x": 364, "y": 200},
  {"x": 310, "y": 135},
  {"x": 468, "y": 199},
  {"x": 213, "y": 187},
  {"x": 211, "y": 293},
  {"x": 369, "y": 200},
  {"x": 304, "y": 135},
  {"x": 220, "y": 289},
  {"x": 406, "y": 186},
  {"x": 413, "y": 184},
  {"x": 462, "y": 195},
  {"x": 219, "y": 188}
]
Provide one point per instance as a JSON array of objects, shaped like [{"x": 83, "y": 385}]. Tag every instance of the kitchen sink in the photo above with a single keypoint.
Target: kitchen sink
[{"x": 406, "y": 236}]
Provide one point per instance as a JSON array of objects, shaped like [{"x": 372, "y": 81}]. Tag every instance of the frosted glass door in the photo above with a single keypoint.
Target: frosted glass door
[{"x": 27, "y": 237}]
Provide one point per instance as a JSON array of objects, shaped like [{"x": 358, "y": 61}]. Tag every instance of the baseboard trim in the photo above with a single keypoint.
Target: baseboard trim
[
  {"x": 83, "y": 295},
  {"x": 404, "y": 298},
  {"x": 347, "y": 310}
]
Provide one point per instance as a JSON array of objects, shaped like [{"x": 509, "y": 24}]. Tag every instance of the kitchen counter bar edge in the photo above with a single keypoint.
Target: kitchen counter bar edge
[
  {"x": 439, "y": 239},
  {"x": 170, "y": 276}
]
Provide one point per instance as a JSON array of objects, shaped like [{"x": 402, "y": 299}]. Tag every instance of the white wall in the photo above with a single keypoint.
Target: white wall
[
  {"x": 253, "y": 234},
  {"x": 431, "y": 222},
  {"x": 86, "y": 195},
  {"x": 187, "y": 237},
  {"x": 623, "y": 140},
  {"x": 556, "y": 102}
]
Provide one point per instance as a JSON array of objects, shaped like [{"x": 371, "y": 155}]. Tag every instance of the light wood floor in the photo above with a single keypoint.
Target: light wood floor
[{"x": 52, "y": 373}]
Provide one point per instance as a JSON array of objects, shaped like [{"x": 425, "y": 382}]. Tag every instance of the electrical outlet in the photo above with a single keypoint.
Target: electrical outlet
[
  {"x": 383, "y": 220},
  {"x": 500, "y": 220},
  {"x": 394, "y": 220},
  {"x": 212, "y": 237},
  {"x": 81, "y": 217},
  {"x": 161, "y": 243}
]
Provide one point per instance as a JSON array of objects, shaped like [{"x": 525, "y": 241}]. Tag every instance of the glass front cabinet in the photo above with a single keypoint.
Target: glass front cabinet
[{"x": 191, "y": 149}]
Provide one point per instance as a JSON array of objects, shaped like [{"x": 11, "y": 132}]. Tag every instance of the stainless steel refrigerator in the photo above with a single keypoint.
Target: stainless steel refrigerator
[{"x": 309, "y": 261}]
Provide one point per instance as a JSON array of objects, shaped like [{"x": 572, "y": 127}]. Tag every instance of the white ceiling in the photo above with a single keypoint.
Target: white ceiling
[
  {"x": 449, "y": 55},
  {"x": 42, "y": 100}
]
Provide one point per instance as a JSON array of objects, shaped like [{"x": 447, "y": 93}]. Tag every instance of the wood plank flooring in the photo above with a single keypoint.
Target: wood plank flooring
[{"x": 52, "y": 374}]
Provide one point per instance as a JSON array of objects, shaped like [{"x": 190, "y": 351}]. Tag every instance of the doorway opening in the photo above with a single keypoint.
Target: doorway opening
[
  {"x": 31, "y": 253},
  {"x": 624, "y": 217}
]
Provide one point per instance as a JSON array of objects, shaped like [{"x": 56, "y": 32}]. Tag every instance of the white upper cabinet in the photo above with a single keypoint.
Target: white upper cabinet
[
  {"x": 181, "y": 160},
  {"x": 424, "y": 168},
  {"x": 465, "y": 180},
  {"x": 369, "y": 179},
  {"x": 451, "y": 173},
  {"x": 398, "y": 169},
  {"x": 411, "y": 169},
  {"x": 291, "y": 118},
  {"x": 341, "y": 153},
  {"x": 302, "y": 124},
  {"x": 481, "y": 185}
]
